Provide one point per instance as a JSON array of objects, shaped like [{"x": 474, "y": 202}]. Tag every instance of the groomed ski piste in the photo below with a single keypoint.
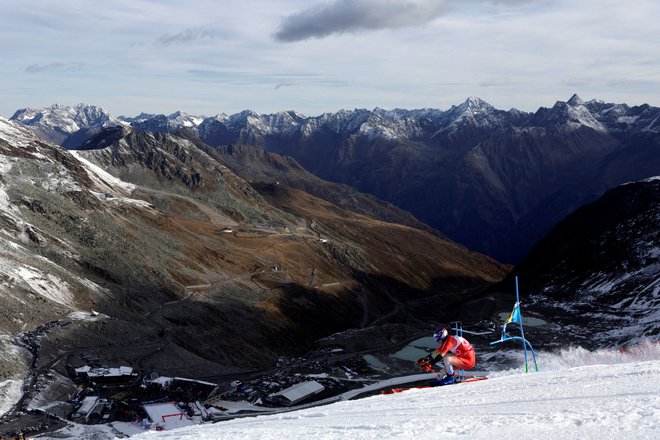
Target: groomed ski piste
[{"x": 578, "y": 394}]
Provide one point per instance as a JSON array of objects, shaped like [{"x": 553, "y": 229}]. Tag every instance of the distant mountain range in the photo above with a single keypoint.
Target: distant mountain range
[{"x": 494, "y": 180}]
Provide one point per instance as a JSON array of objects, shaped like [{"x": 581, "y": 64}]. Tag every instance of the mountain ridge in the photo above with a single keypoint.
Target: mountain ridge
[{"x": 479, "y": 175}]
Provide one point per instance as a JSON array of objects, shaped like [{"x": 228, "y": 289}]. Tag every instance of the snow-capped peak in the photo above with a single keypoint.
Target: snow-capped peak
[
  {"x": 579, "y": 115},
  {"x": 475, "y": 102},
  {"x": 575, "y": 100},
  {"x": 471, "y": 107},
  {"x": 66, "y": 119}
]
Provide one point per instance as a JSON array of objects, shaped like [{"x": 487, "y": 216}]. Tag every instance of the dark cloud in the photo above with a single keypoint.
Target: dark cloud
[
  {"x": 39, "y": 68},
  {"x": 356, "y": 15},
  {"x": 344, "y": 16},
  {"x": 187, "y": 36}
]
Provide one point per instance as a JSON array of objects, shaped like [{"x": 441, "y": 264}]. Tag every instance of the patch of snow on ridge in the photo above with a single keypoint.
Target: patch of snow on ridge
[
  {"x": 14, "y": 134},
  {"x": 627, "y": 119},
  {"x": 373, "y": 132},
  {"x": 105, "y": 181},
  {"x": 580, "y": 115},
  {"x": 10, "y": 393},
  {"x": 45, "y": 284},
  {"x": 11, "y": 388}
]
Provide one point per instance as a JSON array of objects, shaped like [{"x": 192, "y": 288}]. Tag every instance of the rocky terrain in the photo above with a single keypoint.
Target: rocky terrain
[
  {"x": 496, "y": 181},
  {"x": 594, "y": 280},
  {"x": 191, "y": 268},
  {"x": 602, "y": 263}
]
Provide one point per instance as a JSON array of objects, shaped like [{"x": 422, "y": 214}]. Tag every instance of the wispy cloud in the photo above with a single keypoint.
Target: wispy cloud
[
  {"x": 280, "y": 85},
  {"x": 188, "y": 36},
  {"x": 345, "y": 16},
  {"x": 39, "y": 68}
]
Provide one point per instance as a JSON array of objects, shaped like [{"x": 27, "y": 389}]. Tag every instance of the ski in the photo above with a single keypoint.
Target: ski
[
  {"x": 461, "y": 379},
  {"x": 400, "y": 390},
  {"x": 471, "y": 379}
]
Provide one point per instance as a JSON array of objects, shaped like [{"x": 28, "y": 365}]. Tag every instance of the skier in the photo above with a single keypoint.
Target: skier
[{"x": 455, "y": 351}]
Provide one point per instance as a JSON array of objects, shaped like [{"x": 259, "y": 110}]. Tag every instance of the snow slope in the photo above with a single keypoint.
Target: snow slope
[
  {"x": 579, "y": 394},
  {"x": 612, "y": 395}
]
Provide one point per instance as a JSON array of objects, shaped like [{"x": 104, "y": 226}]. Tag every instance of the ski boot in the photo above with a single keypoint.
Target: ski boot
[{"x": 449, "y": 379}]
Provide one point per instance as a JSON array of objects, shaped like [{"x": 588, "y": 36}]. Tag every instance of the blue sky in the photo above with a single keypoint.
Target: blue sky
[{"x": 206, "y": 57}]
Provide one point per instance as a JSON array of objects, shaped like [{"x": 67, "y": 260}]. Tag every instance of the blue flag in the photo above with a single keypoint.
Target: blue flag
[{"x": 515, "y": 314}]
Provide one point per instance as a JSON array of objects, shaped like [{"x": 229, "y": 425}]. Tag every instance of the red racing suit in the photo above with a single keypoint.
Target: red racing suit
[{"x": 460, "y": 353}]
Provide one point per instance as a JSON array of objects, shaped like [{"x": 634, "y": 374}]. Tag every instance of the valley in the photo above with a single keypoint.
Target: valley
[{"x": 152, "y": 255}]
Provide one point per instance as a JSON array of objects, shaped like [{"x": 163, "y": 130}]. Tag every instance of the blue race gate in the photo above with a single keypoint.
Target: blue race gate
[{"x": 516, "y": 316}]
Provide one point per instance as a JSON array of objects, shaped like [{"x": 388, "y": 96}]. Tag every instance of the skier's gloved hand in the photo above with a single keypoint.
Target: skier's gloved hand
[{"x": 425, "y": 360}]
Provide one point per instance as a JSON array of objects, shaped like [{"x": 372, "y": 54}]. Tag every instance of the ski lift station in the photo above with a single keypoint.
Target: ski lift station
[{"x": 296, "y": 393}]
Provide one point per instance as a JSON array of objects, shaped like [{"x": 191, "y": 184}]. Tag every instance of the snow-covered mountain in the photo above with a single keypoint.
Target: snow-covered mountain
[
  {"x": 171, "y": 123},
  {"x": 66, "y": 125},
  {"x": 493, "y": 180},
  {"x": 480, "y": 175},
  {"x": 57, "y": 122},
  {"x": 409, "y": 124}
]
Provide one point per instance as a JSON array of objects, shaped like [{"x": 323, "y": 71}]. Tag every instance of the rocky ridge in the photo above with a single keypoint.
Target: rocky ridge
[
  {"x": 481, "y": 176},
  {"x": 602, "y": 265}
]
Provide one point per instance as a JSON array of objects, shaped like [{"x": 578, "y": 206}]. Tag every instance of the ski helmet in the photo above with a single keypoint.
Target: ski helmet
[{"x": 440, "y": 334}]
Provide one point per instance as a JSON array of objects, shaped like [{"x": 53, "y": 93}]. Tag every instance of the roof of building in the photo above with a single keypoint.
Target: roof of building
[
  {"x": 300, "y": 391},
  {"x": 105, "y": 372},
  {"x": 88, "y": 404}
]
